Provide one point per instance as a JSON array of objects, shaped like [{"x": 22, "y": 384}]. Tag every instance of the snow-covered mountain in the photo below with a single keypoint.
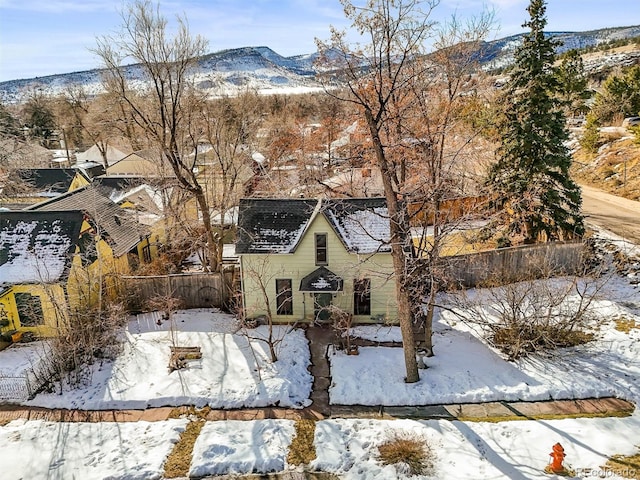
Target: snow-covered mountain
[
  {"x": 500, "y": 53},
  {"x": 227, "y": 71},
  {"x": 263, "y": 70}
]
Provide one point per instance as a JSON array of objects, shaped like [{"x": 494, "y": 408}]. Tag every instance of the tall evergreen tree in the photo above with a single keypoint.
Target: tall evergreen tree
[{"x": 531, "y": 178}]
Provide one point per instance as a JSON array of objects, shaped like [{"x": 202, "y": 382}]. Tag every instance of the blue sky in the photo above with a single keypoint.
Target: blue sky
[{"x": 44, "y": 37}]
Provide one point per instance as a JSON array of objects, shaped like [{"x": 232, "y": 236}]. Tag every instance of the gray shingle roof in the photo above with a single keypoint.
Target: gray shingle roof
[
  {"x": 37, "y": 247},
  {"x": 120, "y": 230},
  {"x": 278, "y": 225}
]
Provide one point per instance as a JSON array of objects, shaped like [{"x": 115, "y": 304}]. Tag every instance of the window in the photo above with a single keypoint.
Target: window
[
  {"x": 146, "y": 253},
  {"x": 88, "y": 250},
  {"x": 362, "y": 297},
  {"x": 321, "y": 249},
  {"x": 29, "y": 309},
  {"x": 284, "y": 297}
]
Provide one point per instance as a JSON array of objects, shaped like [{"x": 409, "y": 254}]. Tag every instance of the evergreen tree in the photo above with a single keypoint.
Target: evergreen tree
[
  {"x": 572, "y": 81},
  {"x": 619, "y": 96},
  {"x": 531, "y": 178}
]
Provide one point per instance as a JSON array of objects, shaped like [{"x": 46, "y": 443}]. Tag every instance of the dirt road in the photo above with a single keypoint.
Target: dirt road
[{"x": 616, "y": 214}]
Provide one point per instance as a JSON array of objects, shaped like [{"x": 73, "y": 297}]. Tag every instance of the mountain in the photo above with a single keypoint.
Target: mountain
[
  {"x": 500, "y": 53},
  {"x": 224, "y": 72},
  {"x": 262, "y": 69}
]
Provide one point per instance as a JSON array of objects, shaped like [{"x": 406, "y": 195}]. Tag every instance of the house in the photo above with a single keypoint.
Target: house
[
  {"x": 36, "y": 258},
  {"x": 111, "y": 242},
  {"x": 299, "y": 257},
  {"x": 33, "y": 185},
  {"x": 145, "y": 163},
  {"x": 95, "y": 155}
]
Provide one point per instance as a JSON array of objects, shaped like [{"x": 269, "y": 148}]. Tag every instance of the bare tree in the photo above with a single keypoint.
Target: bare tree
[
  {"x": 165, "y": 108},
  {"x": 385, "y": 79}
]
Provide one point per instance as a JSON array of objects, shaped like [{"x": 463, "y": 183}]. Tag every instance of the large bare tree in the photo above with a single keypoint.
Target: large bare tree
[
  {"x": 408, "y": 101},
  {"x": 163, "y": 106}
]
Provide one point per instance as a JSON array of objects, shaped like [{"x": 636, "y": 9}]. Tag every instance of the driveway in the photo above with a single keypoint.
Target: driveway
[{"x": 616, "y": 214}]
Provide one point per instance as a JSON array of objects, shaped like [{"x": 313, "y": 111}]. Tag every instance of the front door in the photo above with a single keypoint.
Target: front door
[{"x": 321, "y": 303}]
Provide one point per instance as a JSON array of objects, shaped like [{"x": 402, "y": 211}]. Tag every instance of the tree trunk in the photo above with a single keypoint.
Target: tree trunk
[
  {"x": 212, "y": 244},
  {"x": 398, "y": 231}
]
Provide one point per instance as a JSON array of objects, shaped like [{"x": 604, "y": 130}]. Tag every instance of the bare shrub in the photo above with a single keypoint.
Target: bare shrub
[
  {"x": 84, "y": 336},
  {"x": 341, "y": 324},
  {"x": 532, "y": 316},
  {"x": 412, "y": 456}
]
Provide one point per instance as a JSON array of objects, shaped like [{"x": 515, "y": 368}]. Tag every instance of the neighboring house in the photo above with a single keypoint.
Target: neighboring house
[
  {"x": 94, "y": 155},
  {"x": 37, "y": 250},
  {"x": 355, "y": 182},
  {"x": 302, "y": 256},
  {"x": 112, "y": 243},
  {"x": 34, "y": 185},
  {"x": 143, "y": 163}
]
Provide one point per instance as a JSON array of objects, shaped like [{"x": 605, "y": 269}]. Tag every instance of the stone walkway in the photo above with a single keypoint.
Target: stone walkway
[{"x": 319, "y": 340}]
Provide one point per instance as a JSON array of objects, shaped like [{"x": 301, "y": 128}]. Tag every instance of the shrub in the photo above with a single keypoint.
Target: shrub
[
  {"x": 407, "y": 453},
  {"x": 532, "y": 316}
]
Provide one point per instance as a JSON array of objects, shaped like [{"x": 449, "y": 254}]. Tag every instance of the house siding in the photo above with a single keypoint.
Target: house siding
[
  {"x": 266, "y": 268},
  {"x": 52, "y": 299}
]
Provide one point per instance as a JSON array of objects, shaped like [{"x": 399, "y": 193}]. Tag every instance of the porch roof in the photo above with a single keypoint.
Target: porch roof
[{"x": 321, "y": 280}]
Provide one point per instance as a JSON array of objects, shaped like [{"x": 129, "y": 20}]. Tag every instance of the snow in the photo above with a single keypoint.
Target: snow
[
  {"x": 44, "y": 260},
  {"x": 464, "y": 369},
  {"x": 237, "y": 447},
  {"x": 225, "y": 377},
  {"x": 364, "y": 231},
  {"x": 58, "y": 450}
]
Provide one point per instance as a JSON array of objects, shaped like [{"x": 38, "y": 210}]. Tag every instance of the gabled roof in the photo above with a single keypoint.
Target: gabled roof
[
  {"x": 93, "y": 155},
  {"x": 120, "y": 230},
  {"x": 321, "y": 280},
  {"x": 278, "y": 225},
  {"x": 48, "y": 180},
  {"x": 267, "y": 225},
  {"x": 361, "y": 223},
  {"x": 37, "y": 247}
]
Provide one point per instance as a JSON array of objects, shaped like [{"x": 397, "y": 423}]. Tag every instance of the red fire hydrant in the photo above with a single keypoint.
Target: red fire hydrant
[{"x": 557, "y": 457}]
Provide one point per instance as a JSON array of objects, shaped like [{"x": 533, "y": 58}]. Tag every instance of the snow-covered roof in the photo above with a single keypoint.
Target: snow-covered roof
[
  {"x": 37, "y": 247},
  {"x": 278, "y": 225},
  {"x": 93, "y": 154},
  {"x": 122, "y": 232},
  {"x": 267, "y": 225}
]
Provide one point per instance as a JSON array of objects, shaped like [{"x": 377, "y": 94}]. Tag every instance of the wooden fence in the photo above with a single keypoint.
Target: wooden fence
[
  {"x": 195, "y": 290},
  {"x": 514, "y": 263}
]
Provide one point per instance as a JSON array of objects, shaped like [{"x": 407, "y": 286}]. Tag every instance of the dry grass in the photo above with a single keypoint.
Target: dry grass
[
  {"x": 302, "y": 450},
  {"x": 606, "y": 170},
  {"x": 179, "y": 460},
  {"x": 625, "y": 467},
  {"x": 413, "y": 456},
  {"x": 625, "y": 325}
]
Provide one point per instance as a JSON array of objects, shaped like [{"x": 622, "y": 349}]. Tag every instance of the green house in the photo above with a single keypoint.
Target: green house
[{"x": 301, "y": 257}]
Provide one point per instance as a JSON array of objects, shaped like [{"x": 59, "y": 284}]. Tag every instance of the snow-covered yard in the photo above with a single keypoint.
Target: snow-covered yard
[
  {"x": 227, "y": 375},
  {"x": 464, "y": 369}
]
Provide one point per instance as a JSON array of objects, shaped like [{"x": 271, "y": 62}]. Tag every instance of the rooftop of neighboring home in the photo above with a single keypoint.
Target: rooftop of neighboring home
[
  {"x": 37, "y": 246},
  {"x": 278, "y": 225},
  {"x": 122, "y": 232},
  {"x": 47, "y": 181}
]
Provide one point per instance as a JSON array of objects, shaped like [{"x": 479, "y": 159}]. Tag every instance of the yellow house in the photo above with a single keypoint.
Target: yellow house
[
  {"x": 37, "y": 252},
  {"x": 299, "y": 257},
  {"x": 111, "y": 244}
]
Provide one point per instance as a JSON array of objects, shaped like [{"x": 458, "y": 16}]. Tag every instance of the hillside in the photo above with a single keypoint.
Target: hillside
[
  {"x": 262, "y": 69},
  {"x": 615, "y": 168}
]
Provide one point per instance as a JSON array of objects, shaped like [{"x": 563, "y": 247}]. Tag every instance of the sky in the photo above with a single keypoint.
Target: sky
[{"x": 46, "y": 37}]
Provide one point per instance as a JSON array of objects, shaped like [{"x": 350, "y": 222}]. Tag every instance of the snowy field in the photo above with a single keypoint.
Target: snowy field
[
  {"x": 464, "y": 369},
  {"x": 225, "y": 377}
]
